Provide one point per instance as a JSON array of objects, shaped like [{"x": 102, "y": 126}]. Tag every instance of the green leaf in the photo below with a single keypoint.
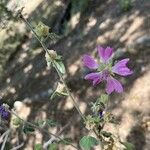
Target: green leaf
[
  {"x": 52, "y": 146},
  {"x": 47, "y": 122},
  {"x": 106, "y": 134},
  {"x": 28, "y": 129},
  {"x": 60, "y": 66},
  {"x": 53, "y": 95},
  {"x": 104, "y": 98},
  {"x": 51, "y": 123},
  {"x": 128, "y": 146},
  {"x": 87, "y": 142},
  {"x": 38, "y": 147},
  {"x": 59, "y": 57},
  {"x": 58, "y": 94},
  {"x": 62, "y": 93}
]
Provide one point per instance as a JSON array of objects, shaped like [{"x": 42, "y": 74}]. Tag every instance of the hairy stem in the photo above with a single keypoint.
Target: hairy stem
[{"x": 59, "y": 73}]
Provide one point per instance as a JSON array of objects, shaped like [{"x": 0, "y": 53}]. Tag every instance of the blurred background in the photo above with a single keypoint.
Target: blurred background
[{"x": 81, "y": 25}]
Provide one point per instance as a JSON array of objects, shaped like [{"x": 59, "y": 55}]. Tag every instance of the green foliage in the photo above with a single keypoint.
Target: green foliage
[
  {"x": 47, "y": 122},
  {"x": 17, "y": 121},
  {"x": 5, "y": 14},
  {"x": 106, "y": 134},
  {"x": 60, "y": 66},
  {"x": 125, "y": 4},
  {"x": 91, "y": 121},
  {"x": 42, "y": 30},
  {"x": 51, "y": 123},
  {"x": 53, "y": 146},
  {"x": 87, "y": 142},
  {"x": 128, "y": 146},
  {"x": 56, "y": 60},
  {"x": 99, "y": 105},
  {"x": 38, "y": 147},
  {"x": 104, "y": 98},
  {"x": 58, "y": 94},
  {"x": 28, "y": 129}
]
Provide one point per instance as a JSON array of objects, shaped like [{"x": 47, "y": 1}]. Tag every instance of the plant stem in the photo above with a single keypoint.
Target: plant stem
[
  {"x": 59, "y": 73},
  {"x": 5, "y": 139},
  {"x": 41, "y": 129}
]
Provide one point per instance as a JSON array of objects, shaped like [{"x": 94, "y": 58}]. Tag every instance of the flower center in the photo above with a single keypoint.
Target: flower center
[{"x": 105, "y": 74}]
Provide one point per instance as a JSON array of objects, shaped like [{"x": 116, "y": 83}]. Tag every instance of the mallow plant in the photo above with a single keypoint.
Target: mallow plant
[{"x": 102, "y": 70}]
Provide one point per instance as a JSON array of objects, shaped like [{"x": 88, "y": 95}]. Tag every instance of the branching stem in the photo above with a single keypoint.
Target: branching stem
[
  {"x": 59, "y": 73},
  {"x": 41, "y": 129}
]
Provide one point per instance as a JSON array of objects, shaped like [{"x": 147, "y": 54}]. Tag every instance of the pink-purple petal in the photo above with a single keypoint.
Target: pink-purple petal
[
  {"x": 92, "y": 76},
  {"x": 109, "y": 86},
  {"x": 118, "y": 86},
  {"x": 89, "y": 62},
  {"x": 113, "y": 85},
  {"x": 121, "y": 68},
  {"x": 105, "y": 53},
  {"x": 96, "y": 81},
  {"x": 95, "y": 77}
]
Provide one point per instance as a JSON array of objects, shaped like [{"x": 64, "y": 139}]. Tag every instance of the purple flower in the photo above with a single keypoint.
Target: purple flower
[
  {"x": 121, "y": 68},
  {"x": 4, "y": 113},
  {"x": 105, "y": 71},
  {"x": 89, "y": 62},
  {"x": 113, "y": 85},
  {"x": 105, "y": 54}
]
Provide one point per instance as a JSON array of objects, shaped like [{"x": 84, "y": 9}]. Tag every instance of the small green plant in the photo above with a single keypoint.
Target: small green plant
[{"x": 125, "y": 4}]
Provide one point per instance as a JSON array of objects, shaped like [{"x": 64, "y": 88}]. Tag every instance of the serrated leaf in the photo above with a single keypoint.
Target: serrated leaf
[
  {"x": 87, "y": 142},
  {"x": 128, "y": 146},
  {"x": 38, "y": 147},
  {"x": 60, "y": 66}
]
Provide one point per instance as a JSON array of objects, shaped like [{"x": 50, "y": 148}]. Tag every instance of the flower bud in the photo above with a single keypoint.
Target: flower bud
[
  {"x": 52, "y": 55},
  {"x": 42, "y": 30},
  {"x": 16, "y": 121}
]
